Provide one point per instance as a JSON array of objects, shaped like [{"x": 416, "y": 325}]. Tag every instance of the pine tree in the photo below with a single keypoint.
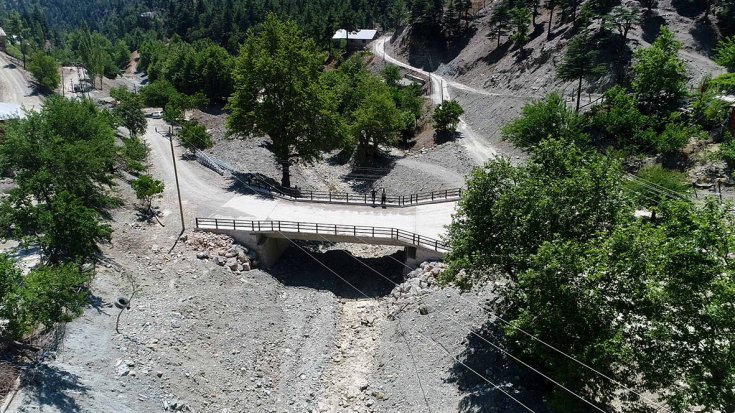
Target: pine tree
[
  {"x": 582, "y": 61},
  {"x": 499, "y": 21}
]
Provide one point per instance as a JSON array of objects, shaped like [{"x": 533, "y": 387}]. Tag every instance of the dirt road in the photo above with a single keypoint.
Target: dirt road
[{"x": 15, "y": 85}]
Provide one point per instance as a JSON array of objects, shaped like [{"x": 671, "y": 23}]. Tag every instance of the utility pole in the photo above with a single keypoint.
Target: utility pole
[{"x": 176, "y": 174}]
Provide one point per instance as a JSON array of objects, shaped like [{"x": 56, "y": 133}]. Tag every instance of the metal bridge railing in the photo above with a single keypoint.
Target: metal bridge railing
[
  {"x": 260, "y": 185},
  {"x": 323, "y": 229}
]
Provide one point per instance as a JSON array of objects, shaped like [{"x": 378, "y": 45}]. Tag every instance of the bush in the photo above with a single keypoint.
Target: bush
[
  {"x": 146, "y": 188},
  {"x": 657, "y": 179},
  {"x": 708, "y": 110},
  {"x": 543, "y": 119},
  {"x": 195, "y": 136},
  {"x": 619, "y": 120},
  {"x": 45, "y": 70},
  {"x": 675, "y": 137},
  {"x": 45, "y": 296},
  {"x": 726, "y": 53},
  {"x": 723, "y": 83},
  {"x": 158, "y": 94},
  {"x": 727, "y": 152},
  {"x": 446, "y": 116},
  {"x": 134, "y": 153}
]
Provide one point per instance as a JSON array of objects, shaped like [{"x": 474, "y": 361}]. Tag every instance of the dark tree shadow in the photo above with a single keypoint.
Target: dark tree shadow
[
  {"x": 98, "y": 303},
  {"x": 706, "y": 36},
  {"x": 498, "y": 53},
  {"x": 446, "y": 136},
  {"x": 495, "y": 366},
  {"x": 48, "y": 385},
  {"x": 651, "y": 26},
  {"x": 689, "y": 8},
  {"x": 427, "y": 48},
  {"x": 296, "y": 268}
]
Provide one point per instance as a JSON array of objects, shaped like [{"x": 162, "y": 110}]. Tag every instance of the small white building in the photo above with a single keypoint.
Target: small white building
[{"x": 356, "y": 40}]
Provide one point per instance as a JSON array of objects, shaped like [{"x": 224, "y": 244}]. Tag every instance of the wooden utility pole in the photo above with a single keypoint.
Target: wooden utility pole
[{"x": 176, "y": 175}]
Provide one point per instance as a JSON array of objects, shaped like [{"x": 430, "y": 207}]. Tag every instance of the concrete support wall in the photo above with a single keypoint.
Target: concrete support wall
[{"x": 415, "y": 256}]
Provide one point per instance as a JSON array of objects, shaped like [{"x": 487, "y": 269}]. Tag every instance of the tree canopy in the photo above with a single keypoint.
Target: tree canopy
[
  {"x": 63, "y": 158},
  {"x": 278, "y": 94}
]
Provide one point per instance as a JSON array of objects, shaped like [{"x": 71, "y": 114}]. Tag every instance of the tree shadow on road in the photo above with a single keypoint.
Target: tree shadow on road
[
  {"x": 479, "y": 395},
  {"x": 296, "y": 268},
  {"x": 47, "y": 386}
]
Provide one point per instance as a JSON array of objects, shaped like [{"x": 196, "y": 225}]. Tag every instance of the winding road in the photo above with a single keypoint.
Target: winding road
[
  {"x": 15, "y": 85},
  {"x": 478, "y": 148}
]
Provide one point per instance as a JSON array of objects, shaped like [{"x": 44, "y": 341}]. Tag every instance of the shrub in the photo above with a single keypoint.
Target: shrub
[
  {"x": 543, "y": 119},
  {"x": 724, "y": 83},
  {"x": 726, "y": 53},
  {"x": 195, "y": 136},
  {"x": 727, "y": 152},
  {"x": 134, "y": 154},
  {"x": 658, "y": 179},
  {"x": 446, "y": 116},
  {"x": 158, "y": 93},
  {"x": 675, "y": 137}
]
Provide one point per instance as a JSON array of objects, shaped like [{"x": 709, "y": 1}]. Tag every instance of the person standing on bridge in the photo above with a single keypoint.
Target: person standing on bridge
[
  {"x": 372, "y": 193},
  {"x": 382, "y": 198}
]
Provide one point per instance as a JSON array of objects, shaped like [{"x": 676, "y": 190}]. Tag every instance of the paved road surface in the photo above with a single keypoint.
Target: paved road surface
[
  {"x": 206, "y": 194},
  {"x": 15, "y": 86}
]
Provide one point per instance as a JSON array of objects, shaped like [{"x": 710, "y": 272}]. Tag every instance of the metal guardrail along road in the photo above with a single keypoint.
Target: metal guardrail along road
[
  {"x": 260, "y": 185},
  {"x": 356, "y": 231}
]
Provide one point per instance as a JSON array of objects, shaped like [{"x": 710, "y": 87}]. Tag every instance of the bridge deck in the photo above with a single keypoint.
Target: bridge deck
[{"x": 325, "y": 232}]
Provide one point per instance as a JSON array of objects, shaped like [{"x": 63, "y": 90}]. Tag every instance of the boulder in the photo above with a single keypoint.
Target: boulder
[{"x": 219, "y": 260}]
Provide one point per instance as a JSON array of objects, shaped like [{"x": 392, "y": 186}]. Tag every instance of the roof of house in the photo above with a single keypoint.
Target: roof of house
[
  {"x": 363, "y": 34},
  {"x": 10, "y": 111}
]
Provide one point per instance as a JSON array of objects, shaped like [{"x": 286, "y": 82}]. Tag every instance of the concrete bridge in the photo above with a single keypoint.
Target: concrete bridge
[{"x": 271, "y": 238}]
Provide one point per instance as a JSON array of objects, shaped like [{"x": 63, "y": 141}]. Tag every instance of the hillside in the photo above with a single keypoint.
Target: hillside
[{"x": 507, "y": 69}]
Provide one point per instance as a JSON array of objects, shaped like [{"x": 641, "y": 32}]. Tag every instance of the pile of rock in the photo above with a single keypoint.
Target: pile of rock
[
  {"x": 420, "y": 281},
  {"x": 223, "y": 251}
]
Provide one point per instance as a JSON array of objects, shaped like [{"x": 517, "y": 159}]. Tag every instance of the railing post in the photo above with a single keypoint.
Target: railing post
[
  {"x": 436, "y": 245},
  {"x": 373, "y": 232},
  {"x": 330, "y": 196},
  {"x": 298, "y": 227},
  {"x": 279, "y": 226},
  {"x": 233, "y": 225},
  {"x": 317, "y": 228},
  {"x": 272, "y": 228},
  {"x": 335, "y": 229},
  {"x": 196, "y": 222},
  {"x": 312, "y": 195},
  {"x": 446, "y": 193},
  {"x": 259, "y": 230},
  {"x": 347, "y": 194},
  {"x": 216, "y": 223}
]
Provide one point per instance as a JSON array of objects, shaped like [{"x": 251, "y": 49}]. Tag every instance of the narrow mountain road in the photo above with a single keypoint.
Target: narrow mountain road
[
  {"x": 477, "y": 147},
  {"x": 15, "y": 85}
]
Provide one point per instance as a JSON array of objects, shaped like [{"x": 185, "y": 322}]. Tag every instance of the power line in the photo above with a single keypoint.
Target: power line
[
  {"x": 453, "y": 319},
  {"x": 495, "y": 386},
  {"x": 655, "y": 404}
]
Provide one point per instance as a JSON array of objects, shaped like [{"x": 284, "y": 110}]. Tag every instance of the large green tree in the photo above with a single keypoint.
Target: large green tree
[
  {"x": 63, "y": 158},
  {"x": 659, "y": 75},
  {"x": 546, "y": 118},
  {"x": 582, "y": 61},
  {"x": 278, "y": 94},
  {"x": 45, "y": 70},
  {"x": 129, "y": 111},
  {"x": 509, "y": 211},
  {"x": 650, "y": 305}
]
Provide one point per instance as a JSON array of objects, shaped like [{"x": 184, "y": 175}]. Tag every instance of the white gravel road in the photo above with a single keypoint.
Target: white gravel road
[{"x": 15, "y": 85}]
